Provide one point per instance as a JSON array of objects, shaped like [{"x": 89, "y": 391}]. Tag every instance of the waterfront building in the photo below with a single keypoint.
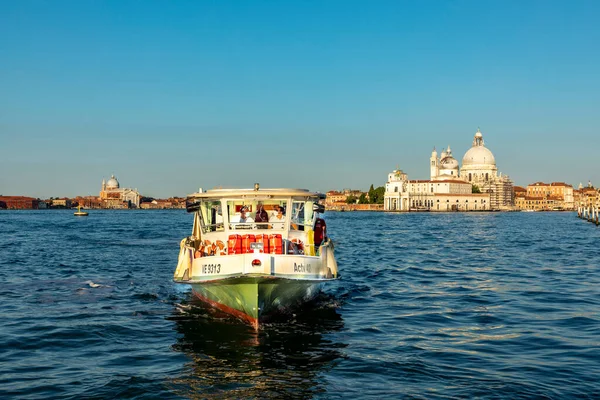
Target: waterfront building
[
  {"x": 586, "y": 196},
  {"x": 113, "y": 196},
  {"x": 173, "y": 202},
  {"x": 18, "y": 203},
  {"x": 519, "y": 191},
  {"x": 61, "y": 203},
  {"x": 337, "y": 200},
  {"x": 333, "y": 197},
  {"x": 402, "y": 194},
  {"x": 560, "y": 192},
  {"x": 445, "y": 167},
  {"x": 540, "y": 196},
  {"x": 87, "y": 201},
  {"x": 478, "y": 168},
  {"x": 451, "y": 187}
]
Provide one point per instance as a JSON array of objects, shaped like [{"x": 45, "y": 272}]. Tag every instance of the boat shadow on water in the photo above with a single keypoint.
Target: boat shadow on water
[{"x": 232, "y": 360}]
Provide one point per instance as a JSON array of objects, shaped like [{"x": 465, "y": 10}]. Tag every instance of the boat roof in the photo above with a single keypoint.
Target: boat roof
[{"x": 254, "y": 193}]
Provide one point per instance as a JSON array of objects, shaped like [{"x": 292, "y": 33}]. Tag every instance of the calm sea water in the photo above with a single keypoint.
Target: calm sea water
[{"x": 430, "y": 306}]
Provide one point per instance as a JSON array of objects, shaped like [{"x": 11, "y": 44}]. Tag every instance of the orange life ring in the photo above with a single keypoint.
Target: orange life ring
[
  {"x": 220, "y": 248},
  {"x": 208, "y": 248}
]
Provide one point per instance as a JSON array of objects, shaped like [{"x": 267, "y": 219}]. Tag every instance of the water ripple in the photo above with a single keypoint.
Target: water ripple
[{"x": 430, "y": 306}]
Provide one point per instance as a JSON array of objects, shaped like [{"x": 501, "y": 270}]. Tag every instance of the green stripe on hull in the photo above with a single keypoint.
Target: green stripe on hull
[
  {"x": 241, "y": 296},
  {"x": 256, "y": 297}
]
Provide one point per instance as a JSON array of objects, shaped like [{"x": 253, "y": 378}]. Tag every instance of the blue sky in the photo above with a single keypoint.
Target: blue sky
[{"x": 174, "y": 95}]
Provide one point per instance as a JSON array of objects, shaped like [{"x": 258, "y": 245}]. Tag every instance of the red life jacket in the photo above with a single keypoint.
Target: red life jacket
[{"x": 320, "y": 231}]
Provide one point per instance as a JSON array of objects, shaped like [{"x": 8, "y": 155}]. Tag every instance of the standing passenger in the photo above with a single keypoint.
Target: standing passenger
[{"x": 261, "y": 216}]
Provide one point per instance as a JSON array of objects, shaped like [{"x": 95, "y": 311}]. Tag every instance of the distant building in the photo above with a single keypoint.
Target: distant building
[
  {"x": 61, "y": 203},
  {"x": 586, "y": 196},
  {"x": 478, "y": 168},
  {"x": 335, "y": 199},
  {"x": 450, "y": 187},
  {"x": 519, "y": 191},
  {"x": 18, "y": 203},
  {"x": 87, "y": 201},
  {"x": 113, "y": 196},
  {"x": 402, "y": 194},
  {"x": 156, "y": 204},
  {"x": 173, "y": 202},
  {"x": 540, "y": 196}
]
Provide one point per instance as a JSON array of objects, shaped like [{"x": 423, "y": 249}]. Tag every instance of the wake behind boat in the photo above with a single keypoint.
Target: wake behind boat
[{"x": 254, "y": 252}]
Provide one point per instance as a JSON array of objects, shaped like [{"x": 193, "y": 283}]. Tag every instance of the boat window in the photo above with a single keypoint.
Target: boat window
[
  {"x": 251, "y": 209},
  {"x": 276, "y": 219},
  {"x": 212, "y": 216},
  {"x": 302, "y": 215}
]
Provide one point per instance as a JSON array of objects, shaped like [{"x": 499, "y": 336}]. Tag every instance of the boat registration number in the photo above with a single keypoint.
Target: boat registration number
[{"x": 211, "y": 268}]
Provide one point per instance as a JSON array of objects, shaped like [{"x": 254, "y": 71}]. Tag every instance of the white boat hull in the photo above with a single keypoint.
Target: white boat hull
[{"x": 240, "y": 286}]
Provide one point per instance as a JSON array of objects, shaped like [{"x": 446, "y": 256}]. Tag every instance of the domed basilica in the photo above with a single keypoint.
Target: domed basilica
[
  {"x": 478, "y": 168},
  {"x": 450, "y": 188},
  {"x": 112, "y": 196}
]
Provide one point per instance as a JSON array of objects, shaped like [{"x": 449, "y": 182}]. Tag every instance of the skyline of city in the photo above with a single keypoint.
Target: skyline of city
[
  {"x": 337, "y": 189},
  {"x": 375, "y": 184},
  {"x": 175, "y": 96}
]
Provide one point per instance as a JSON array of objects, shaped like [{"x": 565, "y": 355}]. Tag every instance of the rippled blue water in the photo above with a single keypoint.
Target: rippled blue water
[{"x": 482, "y": 305}]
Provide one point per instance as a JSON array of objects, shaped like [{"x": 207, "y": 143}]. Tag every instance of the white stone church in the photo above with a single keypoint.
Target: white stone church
[{"x": 450, "y": 187}]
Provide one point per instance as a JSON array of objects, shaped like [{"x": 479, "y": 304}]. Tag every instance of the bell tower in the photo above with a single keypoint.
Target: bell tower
[{"x": 434, "y": 164}]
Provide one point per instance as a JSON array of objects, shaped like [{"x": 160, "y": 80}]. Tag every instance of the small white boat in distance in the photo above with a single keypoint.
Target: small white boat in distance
[
  {"x": 254, "y": 252},
  {"x": 80, "y": 213}
]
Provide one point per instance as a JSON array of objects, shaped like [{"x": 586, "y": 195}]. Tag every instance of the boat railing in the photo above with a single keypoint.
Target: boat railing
[{"x": 236, "y": 243}]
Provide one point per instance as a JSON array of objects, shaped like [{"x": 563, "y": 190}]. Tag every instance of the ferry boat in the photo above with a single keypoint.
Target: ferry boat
[{"x": 256, "y": 252}]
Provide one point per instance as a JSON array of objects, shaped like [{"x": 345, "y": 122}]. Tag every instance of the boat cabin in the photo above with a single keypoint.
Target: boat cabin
[{"x": 275, "y": 221}]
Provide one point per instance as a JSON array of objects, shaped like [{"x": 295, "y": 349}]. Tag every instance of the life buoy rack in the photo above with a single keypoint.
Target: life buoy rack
[
  {"x": 296, "y": 246},
  {"x": 221, "y": 249},
  {"x": 208, "y": 248}
]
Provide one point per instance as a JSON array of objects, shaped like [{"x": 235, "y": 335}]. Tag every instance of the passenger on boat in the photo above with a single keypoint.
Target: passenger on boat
[
  {"x": 277, "y": 220},
  {"x": 243, "y": 221},
  {"x": 261, "y": 216}
]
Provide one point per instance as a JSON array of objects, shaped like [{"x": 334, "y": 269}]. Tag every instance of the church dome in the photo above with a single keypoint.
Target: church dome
[
  {"x": 478, "y": 154},
  {"x": 112, "y": 183},
  {"x": 448, "y": 162}
]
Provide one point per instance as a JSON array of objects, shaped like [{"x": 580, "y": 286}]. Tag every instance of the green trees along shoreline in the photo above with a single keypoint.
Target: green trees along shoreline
[{"x": 373, "y": 196}]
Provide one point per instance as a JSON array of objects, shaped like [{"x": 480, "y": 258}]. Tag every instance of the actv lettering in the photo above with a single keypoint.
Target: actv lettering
[{"x": 302, "y": 268}]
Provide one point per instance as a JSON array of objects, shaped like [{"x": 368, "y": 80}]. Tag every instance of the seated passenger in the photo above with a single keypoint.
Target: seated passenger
[
  {"x": 243, "y": 221},
  {"x": 277, "y": 220}
]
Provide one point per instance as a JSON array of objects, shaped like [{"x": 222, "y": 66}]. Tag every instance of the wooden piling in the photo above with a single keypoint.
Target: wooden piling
[{"x": 589, "y": 213}]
